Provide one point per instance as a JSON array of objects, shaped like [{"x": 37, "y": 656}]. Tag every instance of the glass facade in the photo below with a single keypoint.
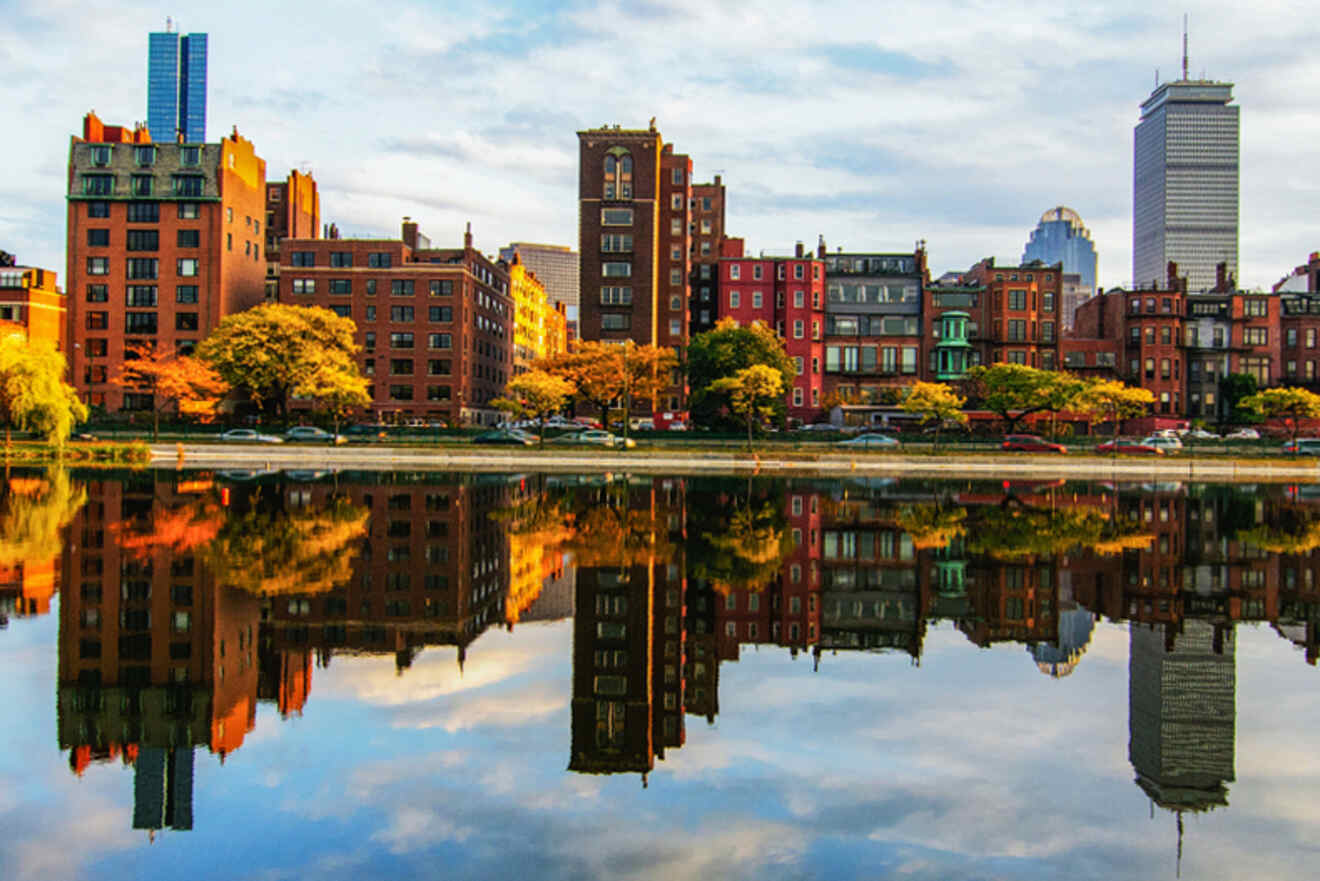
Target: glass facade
[
  {"x": 176, "y": 87},
  {"x": 1060, "y": 237},
  {"x": 1185, "y": 184}
]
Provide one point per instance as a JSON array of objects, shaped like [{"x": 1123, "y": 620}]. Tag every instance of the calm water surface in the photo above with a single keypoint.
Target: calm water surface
[{"x": 292, "y": 675}]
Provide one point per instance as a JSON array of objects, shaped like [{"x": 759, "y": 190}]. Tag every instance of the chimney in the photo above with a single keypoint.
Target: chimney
[
  {"x": 1171, "y": 276},
  {"x": 467, "y": 237},
  {"x": 409, "y": 232},
  {"x": 797, "y": 250},
  {"x": 820, "y": 247},
  {"x": 717, "y": 180}
]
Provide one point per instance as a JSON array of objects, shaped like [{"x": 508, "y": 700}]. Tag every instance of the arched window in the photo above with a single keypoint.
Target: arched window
[{"x": 618, "y": 174}]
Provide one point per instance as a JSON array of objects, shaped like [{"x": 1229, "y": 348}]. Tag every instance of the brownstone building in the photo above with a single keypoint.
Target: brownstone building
[
  {"x": 435, "y": 324},
  {"x": 164, "y": 240},
  {"x": 1024, "y": 303}
]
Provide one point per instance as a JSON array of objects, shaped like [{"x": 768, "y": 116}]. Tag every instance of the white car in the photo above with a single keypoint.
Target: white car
[
  {"x": 1243, "y": 434},
  {"x": 1167, "y": 444},
  {"x": 1201, "y": 434},
  {"x": 247, "y": 435}
]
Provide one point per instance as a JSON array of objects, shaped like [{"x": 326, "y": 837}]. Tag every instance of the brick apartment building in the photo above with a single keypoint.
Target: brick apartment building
[
  {"x": 435, "y": 324},
  {"x": 164, "y": 241},
  {"x": 786, "y": 294},
  {"x": 707, "y": 228},
  {"x": 293, "y": 211}
]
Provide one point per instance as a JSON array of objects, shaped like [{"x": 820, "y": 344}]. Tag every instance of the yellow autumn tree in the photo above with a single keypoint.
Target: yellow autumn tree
[
  {"x": 33, "y": 393},
  {"x": 752, "y": 392}
]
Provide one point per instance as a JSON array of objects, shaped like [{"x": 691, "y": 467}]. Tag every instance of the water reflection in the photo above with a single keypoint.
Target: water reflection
[{"x": 188, "y": 599}]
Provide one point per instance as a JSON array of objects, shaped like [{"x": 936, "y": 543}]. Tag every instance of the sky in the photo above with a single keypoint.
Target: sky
[{"x": 873, "y": 125}]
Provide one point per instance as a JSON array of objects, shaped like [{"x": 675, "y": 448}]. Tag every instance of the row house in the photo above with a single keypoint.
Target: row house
[
  {"x": 788, "y": 295},
  {"x": 435, "y": 325}
]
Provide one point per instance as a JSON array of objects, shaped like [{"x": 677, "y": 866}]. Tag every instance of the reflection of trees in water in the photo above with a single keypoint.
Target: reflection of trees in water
[
  {"x": 1286, "y": 529},
  {"x": 178, "y": 530},
  {"x": 33, "y": 511},
  {"x": 737, "y": 537},
  {"x": 601, "y": 525},
  {"x": 1015, "y": 530},
  {"x": 932, "y": 525}
]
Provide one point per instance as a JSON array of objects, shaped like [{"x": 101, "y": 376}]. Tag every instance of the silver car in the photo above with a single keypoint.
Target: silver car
[{"x": 249, "y": 436}]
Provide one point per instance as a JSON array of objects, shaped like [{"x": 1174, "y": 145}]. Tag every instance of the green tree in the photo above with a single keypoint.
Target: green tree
[
  {"x": 935, "y": 402},
  {"x": 536, "y": 393},
  {"x": 1233, "y": 388},
  {"x": 33, "y": 393},
  {"x": 337, "y": 392},
  {"x": 1289, "y": 402},
  {"x": 275, "y": 351},
  {"x": 1109, "y": 400},
  {"x": 722, "y": 352},
  {"x": 752, "y": 392},
  {"x": 1015, "y": 391}
]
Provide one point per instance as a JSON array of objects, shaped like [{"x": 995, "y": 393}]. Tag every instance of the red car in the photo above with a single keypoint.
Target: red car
[
  {"x": 1129, "y": 447},
  {"x": 1030, "y": 443}
]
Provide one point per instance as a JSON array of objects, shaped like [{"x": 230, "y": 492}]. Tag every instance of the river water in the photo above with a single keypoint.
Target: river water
[{"x": 348, "y": 675}]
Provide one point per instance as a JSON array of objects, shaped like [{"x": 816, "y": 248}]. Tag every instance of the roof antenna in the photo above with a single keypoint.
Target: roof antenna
[{"x": 1184, "y": 47}]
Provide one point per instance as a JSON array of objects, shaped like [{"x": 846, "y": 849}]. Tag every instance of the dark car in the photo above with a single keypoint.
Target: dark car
[
  {"x": 506, "y": 436},
  {"x": 1030, "y": 443},
  {"x": 1129, "y": 447},
  {"x": 1303, "y": 446}
]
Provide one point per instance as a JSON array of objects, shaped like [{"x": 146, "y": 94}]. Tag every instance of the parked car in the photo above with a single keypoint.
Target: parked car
[
  {"x": 1243, "y": 434},
  {"x": 1167, "y": 444},
  {"x": 678, "y": 426},
  {"x": 1201, "y": 434},
  {"x": 1303, "y": 446},
  {"x": 1130, "y": 447},
  {"x": 871, "y": 441},
  {"x": 593, "y": 437},
  {"x": 1030, "y": 443},
  {"x": 250, "y": 436},
  {"x": 643, "y": 425},
  {"x": 820, "y": 426},
  {"x": 313, "y": 434},
  {"x": 513, "y": 437}
]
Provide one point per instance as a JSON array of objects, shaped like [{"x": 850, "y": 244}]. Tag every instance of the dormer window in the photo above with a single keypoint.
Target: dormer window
[
  {"x": 144, "y": 155},
  {"x": 190, "y": 156},
  {"x": 101, "y": 154}
]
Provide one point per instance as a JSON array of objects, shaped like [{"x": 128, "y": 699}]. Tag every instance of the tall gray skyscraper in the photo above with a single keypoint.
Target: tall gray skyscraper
[
  {"x": 176, "y": 87},
  {"x": 1185, "y": 183}
]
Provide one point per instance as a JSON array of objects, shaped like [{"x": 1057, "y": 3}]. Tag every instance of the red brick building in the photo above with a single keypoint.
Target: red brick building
[
  {"x": 293, "y": 211},
  {"x": 788, "y": 295},
  {"x": 1022, "y": 310},
  {"x": 435, "y": 324},
  {"x": 30, "y": 299},
  {"x": 164, "y": 240},
  {"x": 707, "y": 228}
]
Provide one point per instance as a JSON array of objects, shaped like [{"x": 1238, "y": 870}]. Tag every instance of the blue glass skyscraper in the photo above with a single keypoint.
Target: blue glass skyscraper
[
  {"x": 1060, "y": 237},
  {"x": 176, "y": 87}
]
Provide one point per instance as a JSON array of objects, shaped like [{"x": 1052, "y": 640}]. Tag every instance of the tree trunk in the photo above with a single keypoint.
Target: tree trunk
[
  {"x": 540, "y": 435},
  {"x": 155, "y": 425},
  {"x": 749, "y": 432}
]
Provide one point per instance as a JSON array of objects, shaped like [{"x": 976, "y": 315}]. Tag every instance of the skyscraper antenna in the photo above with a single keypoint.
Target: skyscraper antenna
[
  {"x": 169, "y": 25},
  {"x": 1184, "y": 47}
]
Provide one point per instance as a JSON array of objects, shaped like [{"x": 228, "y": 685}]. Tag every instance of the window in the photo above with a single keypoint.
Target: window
[
  {"x": 187, "y": 266},
  {"x": 141, "y": 295},
  {"x": 98, "y": 265},
  {"x": 616, "y": 217},
  {"x": 188, "y": 185},
  {"x": 141, "y": 184},
  {"x": 442, "y": 288},
  {"x": 1017, "y": 299},
  {"x": 616, "y": 243},
  {"x": 797, "y": 396},
  {"x": 302, "y": 258},
  {"x": 98, "y": 238},
  {"x": 341, "y": 285},
  {"x": 614, "y": 321},
  {"x": 401, "y": 393},
  {"x": 1047, "y": 301},
  {"x": 1166, "y": 335},
  {"x": 190, "y": 156},
  {"x": 140, "y": 323},
  {"x": 675, "y": 327},
  {"x": 142, "y": 240},
  {"x": 616, "y": 296},
  {"x": 676, "y": 177},
  {"x": 799, "y": 271},
  {"x": 188, "y": 211},
  {"x": 437, "y": 393},
  {"x": 100, "y": 154},
  {"x": 440, "y": 341},
  {"x": 401, "y": 314},
  {"x": 378, "y": 259},
  {"x": 371, "y": 313},
  {"x": 441, "y": 313},
  {"x": 185, "y": 293},
  {"x": 185, "y": 321},
  {"x": 188, "y": 238},
  {"x": 1256, "y": 308},
  {"x": 98, "y": 293},
  {"x": 676, "y": 276},
  {"x": 98, "y": 184},
  {"x": 401, "y": 341},
  {"x": 143, "y": 267},
  {"x": 756, "y": 299},
  {"x": 401, "y": 366},
  {"x": 616, "y": 270},
  {"x": 304, "y": 285},
  {"x": 1291, "y": 336},
  {"x": 369, "y": 341},
  {"x": 98, "y": 209},
  {"x": 799, "y": 328},
  {"x": 1254, "y": 336},
  {"x": 401, "y": 287},
  {"x": 98, "y": 320},
  {"x": 438, "y": 367}
]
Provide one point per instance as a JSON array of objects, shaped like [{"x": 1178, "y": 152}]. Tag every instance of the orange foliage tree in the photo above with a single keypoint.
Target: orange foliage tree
[
  {"x": 602, "y": 372},
  {"x": 188, "y": 384}
]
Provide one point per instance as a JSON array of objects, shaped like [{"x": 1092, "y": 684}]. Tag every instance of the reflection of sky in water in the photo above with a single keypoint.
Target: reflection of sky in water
[{"x": 973, "y": 765}]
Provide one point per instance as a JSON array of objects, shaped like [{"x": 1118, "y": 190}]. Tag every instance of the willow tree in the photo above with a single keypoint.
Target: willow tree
[{"x": 33, "y": 393}]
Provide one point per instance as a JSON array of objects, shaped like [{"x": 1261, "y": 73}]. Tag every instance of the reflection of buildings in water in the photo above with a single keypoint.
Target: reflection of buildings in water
[
  {"x": 26, "y": 589},
  {"x": 629, "y": 633},
  {"x": 554, "y": 602},
  {"x": 1060, "y": 657},
  {"x": 1182, "y": 713},
  {"x": 163, "y": 788}
]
